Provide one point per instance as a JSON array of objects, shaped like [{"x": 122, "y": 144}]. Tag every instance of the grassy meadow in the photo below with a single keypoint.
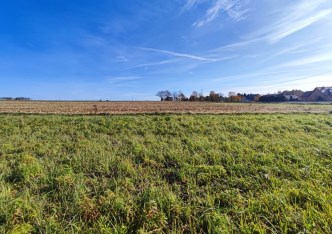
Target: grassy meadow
[{"x": 250, "y": 173}]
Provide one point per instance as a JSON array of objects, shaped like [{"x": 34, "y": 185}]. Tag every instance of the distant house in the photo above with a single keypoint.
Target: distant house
[
  {"x": 306, "y": 95},
  {"x": 294, "y": 95},
  {"x": 291, "y": 97},
  {"x": 293, "y": 92},
  {"x": 318, "y": 94}
]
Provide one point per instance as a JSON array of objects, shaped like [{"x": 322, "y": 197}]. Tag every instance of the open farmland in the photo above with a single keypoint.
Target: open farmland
[
  {"x": 154, "y": 107},
  {"x": 259, "y": 173}
]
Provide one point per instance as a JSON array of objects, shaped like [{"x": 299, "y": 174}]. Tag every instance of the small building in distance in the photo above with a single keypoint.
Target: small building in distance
[
  {"x": 294, "y": 95},
  {"x": 318, "y": 94}
]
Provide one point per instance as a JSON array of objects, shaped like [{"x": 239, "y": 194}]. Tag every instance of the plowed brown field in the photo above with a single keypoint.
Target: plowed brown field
[{"x": 46, "y": 107}]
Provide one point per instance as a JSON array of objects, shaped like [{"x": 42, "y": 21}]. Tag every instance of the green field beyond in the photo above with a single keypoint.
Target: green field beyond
[{"x": 166, "y": 173}]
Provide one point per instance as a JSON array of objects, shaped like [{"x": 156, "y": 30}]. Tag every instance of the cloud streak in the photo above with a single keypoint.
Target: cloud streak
[
  {"x": 238, "y": 45},
  {"x": 262, "y": 85},
  {"x": 154, "y": 64},
  {"x": 121, "y": 59},
  {"x": 260, "y": 74},
  {"x": 294, "y": 24},
  {"x": 308, "y": 61},
  {"x": 309, "y": 81},
  {"x": 190, "y": 4},
  {"x": 124, "y": 81},
  {"x": 234, "y": 9},
  {"x": 292, "y": 20},
  {"x": 180, "y": 55}
]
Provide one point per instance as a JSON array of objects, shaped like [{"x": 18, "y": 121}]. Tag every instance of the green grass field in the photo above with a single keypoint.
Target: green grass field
[{"x": 259, "y": 173}]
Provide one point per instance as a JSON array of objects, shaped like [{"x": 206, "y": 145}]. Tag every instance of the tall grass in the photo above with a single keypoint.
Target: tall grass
[{"x": 166, "y": 174}]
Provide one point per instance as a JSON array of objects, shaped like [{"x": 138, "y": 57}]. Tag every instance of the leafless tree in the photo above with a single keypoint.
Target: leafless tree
[
  {"x": 164, "y": 95},
  {"x": 194, "y": 96},
  {"x": 181, "y": 96},
  {"x": 214, "y": 97}
]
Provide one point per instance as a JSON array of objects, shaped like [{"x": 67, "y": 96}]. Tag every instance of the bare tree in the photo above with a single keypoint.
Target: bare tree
[
  {"x": 168, "y": 95},
  {"x": 175, "y": 96},
  {"x": 214, "y": 97},
  {"x": 194, "y": 96},
  {"x": 161, "y": 95},
  {"x": 181, "y": 96},
  {"x": 201, "y": 94},
  {"x": 165, "y": 95}
]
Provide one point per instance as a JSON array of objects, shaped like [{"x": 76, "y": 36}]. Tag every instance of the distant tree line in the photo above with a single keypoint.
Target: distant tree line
[
  {"x": 273, "y": 98},
  {"x": 213, "y": 96},
  {"x": 15, "y": 99},
  {"x": 281, "y": 96},
  {"x": 167, "y": 95}
]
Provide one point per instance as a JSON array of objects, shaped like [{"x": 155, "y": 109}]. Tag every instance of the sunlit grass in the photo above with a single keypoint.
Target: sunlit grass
[{"x": 166, "y": 173}]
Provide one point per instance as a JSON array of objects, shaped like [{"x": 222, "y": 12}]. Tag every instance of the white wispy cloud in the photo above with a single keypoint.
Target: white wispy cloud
[
  {"x": 260, "y": 74},
  {"x": 294, "y": 24},
  {"x": 121, "y": 59},
  {"x": 180, "y": 55},
  {"x": 233, "y": 8},
  {"x": 154, "y": 64},
  {"x": 123, "y": 78},
  {"x": 184, "y": 67},
  {"x": 308, "y": 60},
  {"x": 237, "y": 45},
  {"x": 190, "y": 4},
  {"x": 304, "y": 82},
  {"x": 291, "y": 20},
  {"x": 124, "y": 81},
  {"x": 306, "y": 46},
  {"x": 272, "y": 82}
]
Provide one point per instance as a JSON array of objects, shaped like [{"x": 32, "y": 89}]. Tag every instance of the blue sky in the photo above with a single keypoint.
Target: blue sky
[{"x": 129, "y": 49}]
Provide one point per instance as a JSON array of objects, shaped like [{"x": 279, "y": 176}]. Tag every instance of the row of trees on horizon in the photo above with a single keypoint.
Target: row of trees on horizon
[
  {"x": 213, "y": 96},
  {"x": 15, "y": 99}
]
